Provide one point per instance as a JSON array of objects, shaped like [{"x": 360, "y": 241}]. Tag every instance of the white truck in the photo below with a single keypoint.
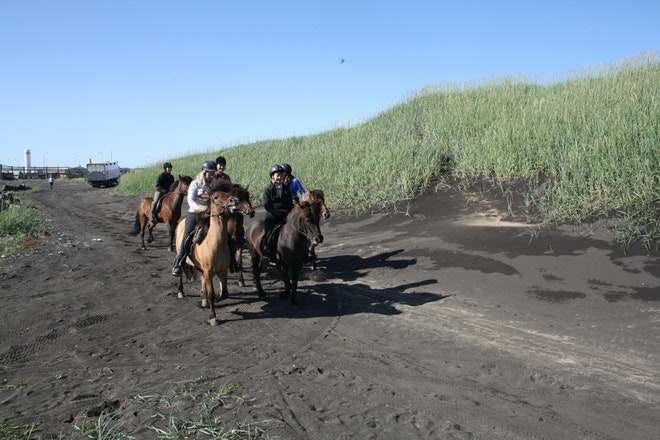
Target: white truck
[{"x": 103, "y": 174}]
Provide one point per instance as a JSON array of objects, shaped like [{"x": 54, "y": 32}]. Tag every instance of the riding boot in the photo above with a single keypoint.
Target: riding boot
[
  {"x": 154, "y": 218},
  {"x": 183, "y": 254},
  {"x": 265, "y": 261}
]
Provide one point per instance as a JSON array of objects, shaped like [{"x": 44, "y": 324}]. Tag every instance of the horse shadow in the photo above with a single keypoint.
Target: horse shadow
[
  {"x": 352, "y": 267},
  {"x": 339, "y": 294}
]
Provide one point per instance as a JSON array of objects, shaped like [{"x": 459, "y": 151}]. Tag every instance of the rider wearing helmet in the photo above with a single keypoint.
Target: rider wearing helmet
[
  {"x": 196, "y": 204},
  {"x": 295, "y": 187},
  {"x": 220, "y": 165},
  {"x": 278, "y": 203},
  {"x": 163, "y": 183}
]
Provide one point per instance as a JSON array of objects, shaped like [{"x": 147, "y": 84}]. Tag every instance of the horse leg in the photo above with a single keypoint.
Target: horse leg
[
  {"x": 172, "y": 228},
  {"x": 150, "y": 227},
  {"x": 143, "y": 226},
  {"x": 295, "y": 274},
  {"x": 312, "y": 256},
  {"x": 284, "y": 274},
  {"x": 179, "y": 288},
  {"x": 210, "y": 294}
]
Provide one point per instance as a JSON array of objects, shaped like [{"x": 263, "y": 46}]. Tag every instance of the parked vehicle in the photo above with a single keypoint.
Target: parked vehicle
[{"x": 103, "y": 174}]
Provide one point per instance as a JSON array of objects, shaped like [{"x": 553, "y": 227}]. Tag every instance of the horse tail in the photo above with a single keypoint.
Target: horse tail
[{"x": 136, "y": 225}]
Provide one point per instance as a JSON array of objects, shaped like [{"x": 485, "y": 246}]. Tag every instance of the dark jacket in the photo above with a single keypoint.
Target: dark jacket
[
  {"x": 164, "y": 181},
  {"x": 277, "y": 206}
]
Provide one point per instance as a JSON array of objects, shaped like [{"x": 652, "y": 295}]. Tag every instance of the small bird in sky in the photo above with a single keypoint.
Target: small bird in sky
[{"x": 342, "y": 61}]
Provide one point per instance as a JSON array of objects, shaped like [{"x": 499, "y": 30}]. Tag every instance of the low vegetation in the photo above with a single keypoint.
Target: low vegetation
[
  {"x": 19, "y": 227},
  {"x": 581, "y": 148}
]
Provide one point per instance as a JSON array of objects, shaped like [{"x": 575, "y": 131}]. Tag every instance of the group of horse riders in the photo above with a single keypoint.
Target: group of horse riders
[{"x": 278, "y": 199}]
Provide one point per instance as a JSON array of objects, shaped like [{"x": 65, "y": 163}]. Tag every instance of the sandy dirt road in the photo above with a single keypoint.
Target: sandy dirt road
[{"x": 446, "y": 323}]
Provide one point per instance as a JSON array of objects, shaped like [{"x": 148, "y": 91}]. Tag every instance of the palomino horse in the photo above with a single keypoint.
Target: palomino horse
[
  {"x": 316, "y": 195},
  {"x": 290, "y": 254},
  {"x": 236, "y": 230},
  {"x": 169, "y": 213},
  {"x": 211, "y": 255}
]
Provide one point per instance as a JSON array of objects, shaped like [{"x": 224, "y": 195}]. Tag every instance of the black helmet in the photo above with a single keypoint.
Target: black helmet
[
  {"x": 275, "y": 169},
  {"x": 220, "y": 160},
  {"x": 208, "y": 165},
  {"x": 167, "y": 165},
  {"x": 287, "y": 168}
]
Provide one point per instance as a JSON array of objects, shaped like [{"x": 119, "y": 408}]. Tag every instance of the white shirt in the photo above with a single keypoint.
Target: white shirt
[{"x": 195, "y": 203}]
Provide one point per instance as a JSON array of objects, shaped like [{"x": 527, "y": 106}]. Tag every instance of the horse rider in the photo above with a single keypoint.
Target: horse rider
[
  {"x": 163, "y": 184},
  {"x": 295, "y": 186},
  {"x": 278, "y": 202},
  {"x": 197, "y": 203},
  {"x": 220, "y": 165}
]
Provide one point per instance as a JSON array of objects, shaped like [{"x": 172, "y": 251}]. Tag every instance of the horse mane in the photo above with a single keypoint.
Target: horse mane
[
  {"x": 182, "y": 179},
  {"x": 221, "y": 185},
  {"x": 241, "y": 192},
  {"x": 314, "y": 194}
]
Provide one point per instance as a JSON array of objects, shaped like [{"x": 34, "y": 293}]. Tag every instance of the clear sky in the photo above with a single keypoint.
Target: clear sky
[{"x": 144, "y": 81}]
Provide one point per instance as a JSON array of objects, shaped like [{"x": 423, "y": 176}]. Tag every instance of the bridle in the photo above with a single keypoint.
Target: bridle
[{"x": 229, "y": 204}]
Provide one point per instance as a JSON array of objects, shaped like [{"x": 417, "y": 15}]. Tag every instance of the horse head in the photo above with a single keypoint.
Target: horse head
[
  {"x": 309, "y": 215},
  {"x": 243, "y": 196},
  {"x": 316, "y": 195},
  {"x": 222, "y": 203}
]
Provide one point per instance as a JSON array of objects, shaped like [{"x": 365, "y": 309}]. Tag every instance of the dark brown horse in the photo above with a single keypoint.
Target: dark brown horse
[
  {"x": 290, "y": 254},
  {"x": 236, "y": 230},
  {"x": 169, "y": 213},
  {"x": 316, "y": 195},
  {"x": 211, "y": 256}
]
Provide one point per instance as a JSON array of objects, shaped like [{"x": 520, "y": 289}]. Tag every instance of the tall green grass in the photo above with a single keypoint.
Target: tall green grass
[{"x": 592, "y": 137}]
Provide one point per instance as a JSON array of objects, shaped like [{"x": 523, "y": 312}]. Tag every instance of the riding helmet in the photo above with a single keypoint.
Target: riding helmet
[
  {"x": 275, "y": 169},
  {"x": 221, "y": 160},
  {"x": 287, "y": 168},
  {"x": 208, "y": 165},
  {"x": 167, "y": 165}
]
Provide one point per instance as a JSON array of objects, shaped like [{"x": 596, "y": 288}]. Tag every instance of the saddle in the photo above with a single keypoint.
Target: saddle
[
  {"x": 273, "y": 237},
  {"x": 159, "y": 203}
]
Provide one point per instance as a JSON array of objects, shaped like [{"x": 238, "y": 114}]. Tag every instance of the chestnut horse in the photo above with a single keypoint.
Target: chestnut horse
[
  {"x": 169, "y": 213},
  {"x": 236, "y": 230},
  {"x": 316, "y": 195},
  {"x": 290, "y": 254},
  {"x": 211, "y": 255}
]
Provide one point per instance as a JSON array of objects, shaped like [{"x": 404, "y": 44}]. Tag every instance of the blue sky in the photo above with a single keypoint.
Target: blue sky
[{"x": 144, "y": 81}]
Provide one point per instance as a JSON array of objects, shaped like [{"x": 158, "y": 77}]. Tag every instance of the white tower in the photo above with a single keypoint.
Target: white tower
[{"x": 28, "y": 159}]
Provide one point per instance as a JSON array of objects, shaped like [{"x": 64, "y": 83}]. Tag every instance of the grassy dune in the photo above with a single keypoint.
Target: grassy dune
[{"x": 592, "y": 138}]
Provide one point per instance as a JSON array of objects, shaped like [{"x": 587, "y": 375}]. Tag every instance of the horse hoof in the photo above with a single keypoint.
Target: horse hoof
[
  {"x": 179, "y": 295},
  {"x": 214, "y": 321},
  {"x": 150, "y": 240},
  {"x": 203, "y": 304}
]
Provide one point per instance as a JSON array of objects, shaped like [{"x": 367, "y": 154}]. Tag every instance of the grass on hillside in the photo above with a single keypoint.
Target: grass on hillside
[{"x": 593, "y": 139}]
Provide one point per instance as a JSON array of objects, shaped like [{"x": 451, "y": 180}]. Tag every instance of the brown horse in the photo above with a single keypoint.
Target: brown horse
[
  {"x": 169, "y": 213},
  {"x": 316, "y": 195},
  {"x": 211, "y": 255},
  {"x": 290, "y": 254},
  {"x": 236, "y": 230}
]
